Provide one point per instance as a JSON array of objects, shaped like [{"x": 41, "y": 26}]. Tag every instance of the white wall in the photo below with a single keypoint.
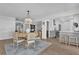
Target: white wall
[
  {"x": 76, "y": 18},
  {"x": 50, "y": 24},
  {"x": 7, "y": 27},
  {"x": 67, "y": 22},
  {"x": 44, "y": 29},
  {"x": 67, "y": 26},
  {"x": 59, "y": 17}
]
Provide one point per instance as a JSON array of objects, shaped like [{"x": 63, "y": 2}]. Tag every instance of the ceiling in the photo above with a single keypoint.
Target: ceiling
[{"x": 37, "y": 10}]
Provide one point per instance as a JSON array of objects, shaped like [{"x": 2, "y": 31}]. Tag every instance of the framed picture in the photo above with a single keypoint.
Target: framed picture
[{"x": 32, "y": 28}]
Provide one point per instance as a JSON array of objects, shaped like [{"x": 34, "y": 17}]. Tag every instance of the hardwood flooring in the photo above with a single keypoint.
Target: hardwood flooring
[
  {"x": 2, "y": 44},
  {"x": 56, "y": 48}
]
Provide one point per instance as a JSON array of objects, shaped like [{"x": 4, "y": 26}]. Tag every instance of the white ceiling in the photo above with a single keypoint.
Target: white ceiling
[{"x": 37, "y": 10}]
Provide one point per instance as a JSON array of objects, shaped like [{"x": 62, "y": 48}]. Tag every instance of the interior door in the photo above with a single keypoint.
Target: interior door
[{"x": 47, "y": 29}]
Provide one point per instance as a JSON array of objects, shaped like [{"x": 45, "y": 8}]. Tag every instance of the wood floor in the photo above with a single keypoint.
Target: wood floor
[
  {"x": 55, "y": 49},
  {"x": 2, "y": 44}
]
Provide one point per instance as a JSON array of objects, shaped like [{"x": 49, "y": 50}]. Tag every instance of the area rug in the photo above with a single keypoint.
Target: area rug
[{"x": 39, "y": 47}]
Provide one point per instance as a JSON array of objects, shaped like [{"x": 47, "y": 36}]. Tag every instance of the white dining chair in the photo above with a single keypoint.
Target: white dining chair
[
  {"x": 31, "y": 38},
  {"x": 17, "y": 41}
]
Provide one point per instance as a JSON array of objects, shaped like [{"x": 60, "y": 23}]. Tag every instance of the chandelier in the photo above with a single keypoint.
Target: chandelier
[{"x": 28, "y": 19}]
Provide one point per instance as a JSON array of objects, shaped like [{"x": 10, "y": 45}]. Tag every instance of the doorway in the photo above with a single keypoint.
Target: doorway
[{"x": 47, "y": 31}]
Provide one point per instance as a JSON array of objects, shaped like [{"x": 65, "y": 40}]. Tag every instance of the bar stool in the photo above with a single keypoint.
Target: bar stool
[
  {"x": 66, "y": 39},
  {"x": 74, "y": 37}
]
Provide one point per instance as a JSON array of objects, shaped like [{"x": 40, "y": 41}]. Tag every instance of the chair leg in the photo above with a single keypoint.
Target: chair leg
[
  {"x": 34, "y": 45},
  {"x": 65, "y": 40},
  {"x": 76, "y": 42},
  {"x": 69, "y": 42},
  {"x": 13, "y": 45},
  {"x": 15, "y": 50},
  {"x": 24, "y": 44},
  {"x": 28, "y": 45},
  {"x": 77, "y": 45}
]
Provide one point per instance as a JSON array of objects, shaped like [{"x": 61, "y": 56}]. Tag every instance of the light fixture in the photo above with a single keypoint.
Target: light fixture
[{"x": 28, "y": 19}]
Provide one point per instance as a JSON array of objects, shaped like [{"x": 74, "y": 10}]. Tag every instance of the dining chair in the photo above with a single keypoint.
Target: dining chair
[
  {"x": 18, "y": 40},
  {"x": 31, "y": 37}
]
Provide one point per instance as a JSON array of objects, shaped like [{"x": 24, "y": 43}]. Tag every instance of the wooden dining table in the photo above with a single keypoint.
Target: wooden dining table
[{"x": 23, "y": 35}]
